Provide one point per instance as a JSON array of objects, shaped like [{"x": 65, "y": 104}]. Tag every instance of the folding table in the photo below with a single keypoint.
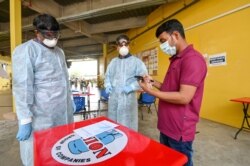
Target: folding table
[
  {"x": 245, "y": 101},
  {"x": 122, "y": 146}
]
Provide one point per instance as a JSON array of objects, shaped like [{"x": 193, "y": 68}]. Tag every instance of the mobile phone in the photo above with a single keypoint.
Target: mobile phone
[{"x": 139, "y": 78}]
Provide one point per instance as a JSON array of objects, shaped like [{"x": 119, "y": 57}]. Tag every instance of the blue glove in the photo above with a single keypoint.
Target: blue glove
[
  {"x": 127, "y": 89},
  {"x": 108, "y": 89},
  {"x": 24, "y": 132}
]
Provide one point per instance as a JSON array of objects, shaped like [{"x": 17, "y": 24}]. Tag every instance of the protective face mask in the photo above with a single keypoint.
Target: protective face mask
[
  {"x": 123, "y": 51},
  {"x": 50, "y": 43},
  {"x": 167, "y": 49}
]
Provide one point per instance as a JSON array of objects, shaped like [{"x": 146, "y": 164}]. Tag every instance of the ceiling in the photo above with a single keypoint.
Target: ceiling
[{"x": 85, "y": 24}]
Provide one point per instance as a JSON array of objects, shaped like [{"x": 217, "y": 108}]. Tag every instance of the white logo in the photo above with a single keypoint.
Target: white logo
[{"x": 74, "y": 150}]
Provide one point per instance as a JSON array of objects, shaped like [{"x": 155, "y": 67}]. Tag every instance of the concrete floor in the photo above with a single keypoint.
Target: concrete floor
[{"x": 214, "y": 144}]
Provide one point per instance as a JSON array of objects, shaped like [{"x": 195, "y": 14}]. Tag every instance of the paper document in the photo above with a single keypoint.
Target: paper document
[{"x": 94, "y": 129}]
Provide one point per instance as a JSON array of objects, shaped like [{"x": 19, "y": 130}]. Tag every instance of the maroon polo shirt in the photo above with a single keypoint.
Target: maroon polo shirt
[{"x": 177, "y": 120}]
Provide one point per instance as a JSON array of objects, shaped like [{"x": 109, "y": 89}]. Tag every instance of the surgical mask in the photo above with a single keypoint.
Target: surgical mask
[
  {"x": 123, "y": 51},
  {"x": 50, "y": 43},
  {"x": 167, "y": 49}
]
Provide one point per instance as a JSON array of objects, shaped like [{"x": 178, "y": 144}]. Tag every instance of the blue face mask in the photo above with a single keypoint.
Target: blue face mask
[{"x": 167, "y": 49}]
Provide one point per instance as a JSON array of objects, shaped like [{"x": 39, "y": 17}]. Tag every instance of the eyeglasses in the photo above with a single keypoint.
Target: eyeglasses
[
  {"x": 123, "y": 43},
  {"x": 50, "y": 34}
]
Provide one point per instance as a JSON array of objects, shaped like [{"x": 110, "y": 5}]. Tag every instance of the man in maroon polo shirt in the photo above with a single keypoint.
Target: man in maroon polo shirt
[{"x": 180, "y": 94}]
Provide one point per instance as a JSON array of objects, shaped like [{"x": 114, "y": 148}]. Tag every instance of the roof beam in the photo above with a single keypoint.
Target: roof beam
[
  {"x": 68, "y": 33},
  {"x": 128, "y": 23},
  {"x": 89, "y": 48},
  {"x": 79, "y": 11},
  {"x": 56, "y": 10},
  {"x": 48, "y": 6},
  {"x": 79, "y": 27},
  {"x": 78, "y": 42}
]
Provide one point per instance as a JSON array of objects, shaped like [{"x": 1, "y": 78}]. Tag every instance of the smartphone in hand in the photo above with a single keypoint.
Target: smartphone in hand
[{"x": 139, "y": 78}]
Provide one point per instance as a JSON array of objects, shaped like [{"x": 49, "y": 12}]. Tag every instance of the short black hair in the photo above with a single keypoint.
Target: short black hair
[
  {"x": 46, "y": 22},
  {"x": 170, "y": 26},
  {"x": 122, "y": 37}
]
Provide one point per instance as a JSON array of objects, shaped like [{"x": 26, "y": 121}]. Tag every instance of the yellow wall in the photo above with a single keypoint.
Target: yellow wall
[{"x": 229, "y": 33}]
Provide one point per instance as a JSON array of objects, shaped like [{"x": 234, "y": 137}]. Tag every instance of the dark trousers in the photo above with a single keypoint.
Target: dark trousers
[{"x": 183, "y": 147}]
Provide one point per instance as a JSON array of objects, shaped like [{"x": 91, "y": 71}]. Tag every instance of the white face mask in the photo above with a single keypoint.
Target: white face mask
[
  {"x": 167, "y": 49},
  {"x": 123, "y": 51},
  {"x": 50, "y": 43}
]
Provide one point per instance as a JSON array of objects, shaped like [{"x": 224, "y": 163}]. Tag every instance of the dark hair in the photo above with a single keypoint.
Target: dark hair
[
  {"x": 170, "y": 26},
  {"x": 46, "y": 22},
  {"x": 122, "y": 37}
]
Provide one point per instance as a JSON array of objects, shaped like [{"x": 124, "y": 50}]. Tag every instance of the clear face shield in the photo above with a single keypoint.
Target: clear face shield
[{"x": 122, "y": 42}]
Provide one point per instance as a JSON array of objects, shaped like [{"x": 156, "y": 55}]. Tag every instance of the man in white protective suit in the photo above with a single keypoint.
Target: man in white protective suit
[
  {"x": 121, "y": 85},
  {"x": 40, "y": 85}
]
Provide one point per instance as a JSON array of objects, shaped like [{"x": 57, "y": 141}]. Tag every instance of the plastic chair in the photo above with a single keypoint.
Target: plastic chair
[
  {"x": 104, "y": 96},
  {"x": 80, "y": 105},
  {"x": 146, "y": 100}
]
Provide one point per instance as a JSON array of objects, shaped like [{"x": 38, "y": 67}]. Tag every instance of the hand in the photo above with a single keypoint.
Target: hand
[
  {"x": 148, "y": 79},
  {"x": 127, "y": 89},
  {"x": 108, "y": 89},
  {"x": 145, "y": 86},
  {"x": 24, "y": 132}
]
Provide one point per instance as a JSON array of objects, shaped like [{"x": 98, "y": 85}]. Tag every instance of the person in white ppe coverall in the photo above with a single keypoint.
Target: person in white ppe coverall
[
  {"x": 121, "y": 85},
  {"x": 40, "y": 85}
]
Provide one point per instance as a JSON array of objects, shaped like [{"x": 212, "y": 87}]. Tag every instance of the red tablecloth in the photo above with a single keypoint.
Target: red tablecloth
[{"x": 139, "y": 150}]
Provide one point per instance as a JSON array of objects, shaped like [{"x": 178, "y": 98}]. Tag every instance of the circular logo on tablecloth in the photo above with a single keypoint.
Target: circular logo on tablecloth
[{"x": 74, "y": 150}]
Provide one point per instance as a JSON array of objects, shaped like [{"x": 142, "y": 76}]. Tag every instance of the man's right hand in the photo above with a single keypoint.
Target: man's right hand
[{"x": 24, "y": 132}]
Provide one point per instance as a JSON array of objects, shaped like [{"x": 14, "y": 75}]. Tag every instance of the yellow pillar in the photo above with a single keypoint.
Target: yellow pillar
[
  {"x": 15, "y": 24},
  {"x": 15, "y": 27},
  {"x": 105, "y": 56}
]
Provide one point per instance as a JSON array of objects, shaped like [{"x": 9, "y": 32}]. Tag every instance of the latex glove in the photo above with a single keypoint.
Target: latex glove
[
  {"x": 108, "y": 89},
  {"x": 24, "y": 132},
  {"x": 127, "y": 89}
]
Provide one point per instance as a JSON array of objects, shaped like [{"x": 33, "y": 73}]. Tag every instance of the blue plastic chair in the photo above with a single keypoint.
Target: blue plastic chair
[
  {"x": 80, "y": 105},
  {"x": 146, "y": 100},
  {"x": 104, "y": 97}
]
